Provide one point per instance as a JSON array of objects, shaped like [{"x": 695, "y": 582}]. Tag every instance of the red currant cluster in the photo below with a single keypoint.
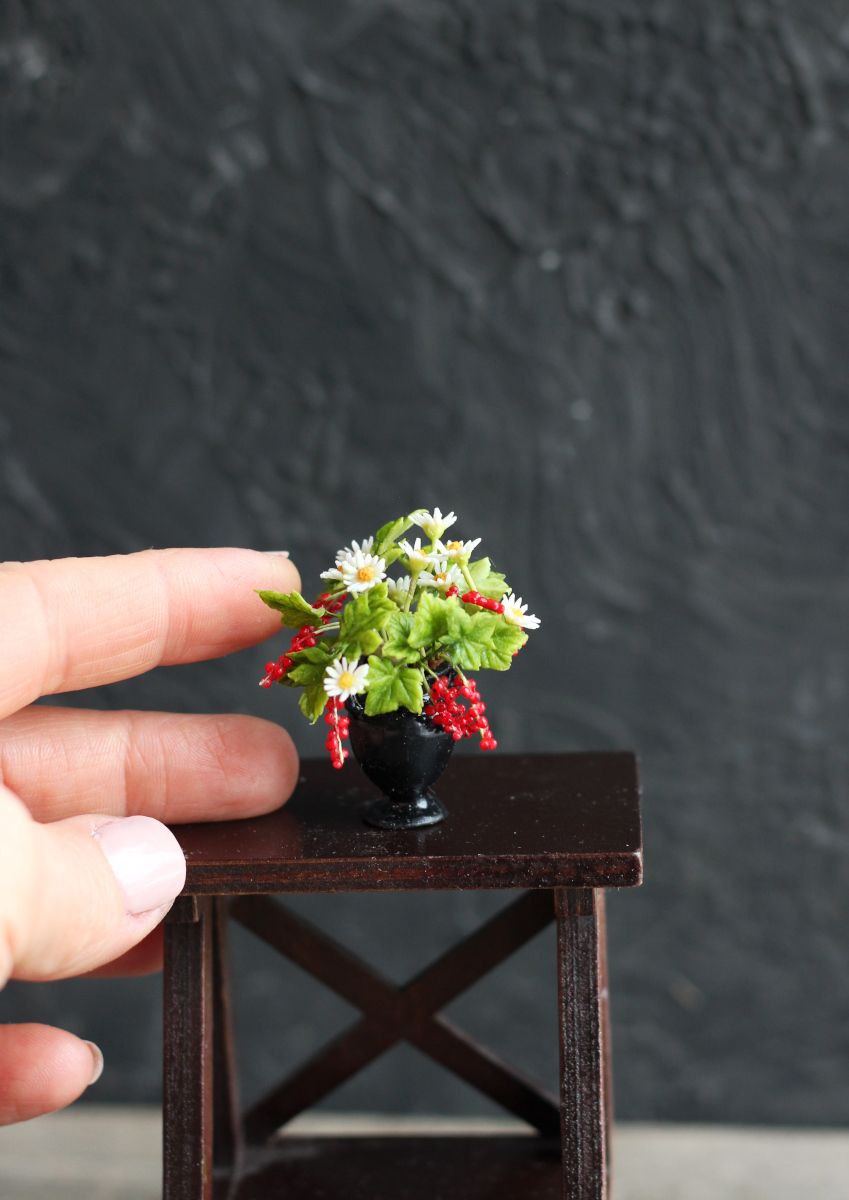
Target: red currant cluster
[
  {"x": 482, "y": 601},
  {"x": 303, "y": 639},
  {"x": 331, "y": 607},
  {"x": 275, "y": 671},
  {"x": 446, "y": 709},
  {"x": 339, "y": 726}
]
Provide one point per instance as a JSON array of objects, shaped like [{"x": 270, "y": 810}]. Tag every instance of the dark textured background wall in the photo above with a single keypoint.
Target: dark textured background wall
[{"x": 273, "y": 271}]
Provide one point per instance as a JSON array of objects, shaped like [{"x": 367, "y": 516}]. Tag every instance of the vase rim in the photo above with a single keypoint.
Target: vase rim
[{"x": 400, "y": 715}]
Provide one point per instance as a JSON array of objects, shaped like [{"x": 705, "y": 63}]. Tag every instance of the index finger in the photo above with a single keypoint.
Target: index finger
[{"x": 75, "y": 623}]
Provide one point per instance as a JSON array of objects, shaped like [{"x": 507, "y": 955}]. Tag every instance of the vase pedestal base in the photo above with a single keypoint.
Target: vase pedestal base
[{"x": 423, "y": 810}]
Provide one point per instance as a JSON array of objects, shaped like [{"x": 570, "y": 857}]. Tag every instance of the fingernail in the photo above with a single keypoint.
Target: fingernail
[
  {"x": 97, "y": 1063},
  {"x": 279, "y": 553},
  {"x": 146, "y": 859}
]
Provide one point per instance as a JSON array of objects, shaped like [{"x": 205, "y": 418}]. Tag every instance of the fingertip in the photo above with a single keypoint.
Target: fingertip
[
  {"x": 146, "y": 860},
  {"x": 96, "y": 1062},
  {"x": 213, "y": 606},
  {"x": 283, "y": 567},
  {"x": 44, "y": 1069},
  {"x": 261, "y": 768},
  {"x": 284, "y": 764}
]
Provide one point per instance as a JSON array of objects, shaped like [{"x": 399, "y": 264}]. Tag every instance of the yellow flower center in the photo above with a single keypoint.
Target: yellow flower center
[
  {"x": 346, "y": 681},
  {"x": 366, "y": 574},
  {"x": 455, "y": 547},
  {"x": 443, "y": 575}
]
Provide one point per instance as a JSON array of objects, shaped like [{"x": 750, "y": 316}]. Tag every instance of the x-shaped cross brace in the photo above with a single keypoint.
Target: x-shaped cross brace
[{"x": 394, "y": 1014}]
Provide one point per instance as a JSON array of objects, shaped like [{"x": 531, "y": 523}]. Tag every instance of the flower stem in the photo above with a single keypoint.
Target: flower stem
[
  {"x": 467, "y": 576},
  {"x": 414, "y": 575}
]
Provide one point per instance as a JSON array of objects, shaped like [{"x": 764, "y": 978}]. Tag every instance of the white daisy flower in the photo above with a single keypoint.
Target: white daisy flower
[
  {"x": 417, "y": 556},
  {"x": 517, "y": 612},
  {"x": 456, "y": 551},
  {"x": 443, "y": 576},
  {"x": 398, "y": 588},
  {"x": 361, "y": 571},
  {"x": 346, "y": 555},
  {"x": 363, "y": 547},
  {"x": 344, "y": 679},
  {"x": 434, "y": 524}
]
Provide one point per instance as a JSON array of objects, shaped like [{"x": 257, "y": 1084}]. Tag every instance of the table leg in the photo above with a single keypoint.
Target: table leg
[
  {"x": 606, "y": 1052},
  {"x": 226, "y": 1122},
  {"x": 580, "y": 992},
  {"x": 187, "y": 1107}
]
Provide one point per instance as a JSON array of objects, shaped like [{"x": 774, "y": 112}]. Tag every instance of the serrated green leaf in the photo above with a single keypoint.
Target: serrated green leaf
[
  {"x": 388, "y": 534},
  {"x": 398, "y": 644},
  {"x": 308, "y": 673},
  {"x": 312, "y": 701},
  {"x": 488, "y": 582},
  {"x": 430, "y": 620},
  {"x": 312, "y": 663},
  {"x": 295, "y": 611},
  {"x": 391, "y": 687},
  {"x": 468, "y": 634},
  {"x": 365, "y": 615},
  {"x": 506, "y": 639},
  {"x": 323, "y": 651},
  {"x": 366, "y": 643}
]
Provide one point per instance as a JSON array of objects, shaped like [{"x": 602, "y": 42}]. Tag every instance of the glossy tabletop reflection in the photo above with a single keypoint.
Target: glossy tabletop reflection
[{"x": 514, "y": 821}]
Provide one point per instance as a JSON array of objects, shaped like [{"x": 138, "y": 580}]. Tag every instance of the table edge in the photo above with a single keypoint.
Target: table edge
[{"x": 466, "y": 873}]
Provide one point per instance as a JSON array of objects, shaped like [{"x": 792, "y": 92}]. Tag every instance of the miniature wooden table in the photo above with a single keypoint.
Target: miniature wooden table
[{"x": 559, "y": 827}]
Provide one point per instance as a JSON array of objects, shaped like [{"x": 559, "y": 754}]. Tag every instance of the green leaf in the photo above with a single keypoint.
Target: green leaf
[
  {"x": 390, "y": 687},
  {"x": 313, "y": 700},
  {"x": 311, "y": 664},
  {"x": 467, "y": 636},
  {"x": 398, "y": 630},
  {"x": 506, "y": 639},
  {"x": 391, "y": 555},
  {"x": 363, "y": 617},
  {"x": 308, "y": 673},
  {"x": 387, "y": 535},
  {"x": 430, "y": 620},
  {"x": 488, "y": 582},
  {"x": 366, "y": 643},
  {"x": 294, "y": 610}
]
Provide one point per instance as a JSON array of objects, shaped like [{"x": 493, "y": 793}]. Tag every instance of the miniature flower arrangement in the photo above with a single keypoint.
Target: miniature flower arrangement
[{"x": 386, "y": 660}]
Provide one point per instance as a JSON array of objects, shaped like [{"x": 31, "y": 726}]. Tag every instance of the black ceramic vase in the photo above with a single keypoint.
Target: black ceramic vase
[{"x": 403, "y": 754}]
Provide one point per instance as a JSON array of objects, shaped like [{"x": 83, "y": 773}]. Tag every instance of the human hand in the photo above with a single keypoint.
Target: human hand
[{"x": 87, "y": 869}]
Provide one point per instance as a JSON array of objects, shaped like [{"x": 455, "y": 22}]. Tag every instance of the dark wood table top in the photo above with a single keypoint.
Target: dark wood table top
[{"x": 514, "y": 821}]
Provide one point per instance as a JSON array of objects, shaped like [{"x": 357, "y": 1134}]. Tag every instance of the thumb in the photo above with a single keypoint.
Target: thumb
[{"x": 80, "y": 892}]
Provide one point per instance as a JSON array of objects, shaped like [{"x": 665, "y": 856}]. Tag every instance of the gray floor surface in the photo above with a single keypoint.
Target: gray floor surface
[{"x": 93, "y": 1153}]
